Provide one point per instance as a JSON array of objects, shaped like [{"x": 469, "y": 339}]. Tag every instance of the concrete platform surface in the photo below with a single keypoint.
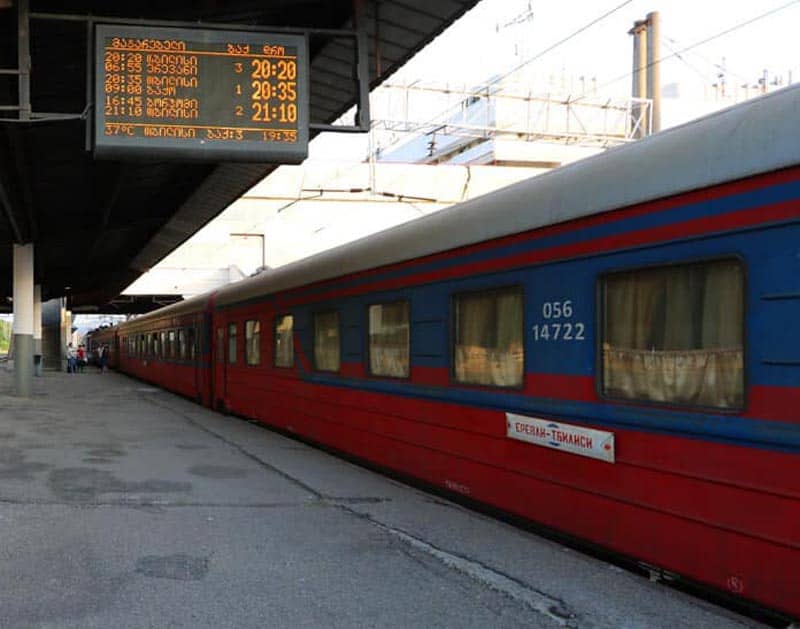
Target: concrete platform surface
[{"x": 125, "y": 506}]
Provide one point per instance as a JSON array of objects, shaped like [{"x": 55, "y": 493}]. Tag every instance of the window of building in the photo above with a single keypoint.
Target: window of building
[
  {"x": 252, "y": 342},
  {"x": 389, "y": 340},
  {"x": 489, "y": 338},
  {"x": 232, "y": 333},
  {"x": 674, "y": 334},
  {"x": 326, "y": 341},
  {"x": 284, "y": 341}
]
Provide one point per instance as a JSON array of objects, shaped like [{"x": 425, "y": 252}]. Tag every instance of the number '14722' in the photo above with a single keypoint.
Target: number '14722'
[{"x": 559, "y": 332}]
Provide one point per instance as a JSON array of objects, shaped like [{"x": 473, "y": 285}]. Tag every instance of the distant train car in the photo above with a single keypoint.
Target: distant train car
[
  {"x": 170, "y": 347},
  {"x": 610, "y": 350},
  {"x": 98, "y": 338}
]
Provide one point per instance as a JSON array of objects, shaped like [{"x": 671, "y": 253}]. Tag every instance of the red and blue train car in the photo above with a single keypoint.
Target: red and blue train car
[{"x": 610, "y": 350}]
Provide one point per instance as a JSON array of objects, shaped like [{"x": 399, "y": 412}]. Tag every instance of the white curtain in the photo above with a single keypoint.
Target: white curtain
[
  {"x": 389, "y": 340},
  {"x": 252, "y": 342},
  {"x": 489, "y": 332},
  {"x": 674, "y": 334},
  {"x": 326, "y": 341},
  {"x": 284, "y": 342}
]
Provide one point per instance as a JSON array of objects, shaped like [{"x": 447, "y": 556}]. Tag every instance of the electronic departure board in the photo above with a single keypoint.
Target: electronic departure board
[{"x": 196, "y": 94}]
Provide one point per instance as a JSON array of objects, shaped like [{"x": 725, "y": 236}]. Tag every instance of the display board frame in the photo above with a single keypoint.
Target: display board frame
[{"x": 121, "y": 135}]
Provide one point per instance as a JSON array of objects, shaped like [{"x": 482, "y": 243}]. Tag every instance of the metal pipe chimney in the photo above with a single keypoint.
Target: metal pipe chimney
[
  {"x": 639, "y": 83},
  {"x": 654, "y": 67}
]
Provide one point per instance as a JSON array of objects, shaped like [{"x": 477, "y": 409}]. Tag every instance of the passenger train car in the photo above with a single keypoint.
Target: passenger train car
[
  {"x": 97, "y": 338},
  {"x": 610, "y": 350}
]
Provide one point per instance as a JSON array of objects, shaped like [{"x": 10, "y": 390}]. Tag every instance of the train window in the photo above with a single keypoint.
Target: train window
[
  {"x": 232, "y": 343},
  {"x": 674, "y": 334},
  {"x": 190, "y": 342},
  {"x": 284, "y": 341},
  {"x": 156, "y": 347},
  {"x": 220, "y": 345},
  {"x": 488, "y": 338},
  {"x": 182, "y": 344},
  {"x": 171, "y": 344},
  {"x": 326, "y": 341},
  {"x": 252, "y": 342},
  {"x": 163, "y": 344},
  {"x": 389, "y": 340}
]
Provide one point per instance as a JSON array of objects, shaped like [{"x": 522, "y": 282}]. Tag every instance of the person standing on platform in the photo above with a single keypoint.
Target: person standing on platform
[
  {"x": 81, "y": 358},
  {"x": 103, "y": 358},
  {"x": 71, "y": 358}
]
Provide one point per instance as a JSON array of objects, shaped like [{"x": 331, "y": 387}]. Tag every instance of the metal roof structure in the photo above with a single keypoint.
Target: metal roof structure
[{"x": 97, "y": 225}]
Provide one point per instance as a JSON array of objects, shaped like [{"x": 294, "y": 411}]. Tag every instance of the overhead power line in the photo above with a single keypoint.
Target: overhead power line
[
  {"x": 677, "y": 53},
  {"x": 718, "y": 67},
  {"x": 560, "y": 42},
  {"x": 689, "y": 65}
]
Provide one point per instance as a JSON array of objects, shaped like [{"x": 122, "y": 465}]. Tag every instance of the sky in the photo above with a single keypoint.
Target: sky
[
  {"x": 498, "y": 35},
  {"x": 604, "y": 50}
]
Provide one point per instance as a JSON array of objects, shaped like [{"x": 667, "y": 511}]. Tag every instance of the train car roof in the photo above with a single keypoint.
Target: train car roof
[
  {"x": 187, "y": 306},
  {"x": 758, "y": 136}
]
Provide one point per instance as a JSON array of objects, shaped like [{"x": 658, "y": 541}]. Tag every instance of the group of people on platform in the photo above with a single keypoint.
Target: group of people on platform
[{"x": 78, "y": 358}]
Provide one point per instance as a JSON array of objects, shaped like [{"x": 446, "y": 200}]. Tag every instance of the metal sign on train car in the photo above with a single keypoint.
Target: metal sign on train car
[{"x": 596, "y": 444}]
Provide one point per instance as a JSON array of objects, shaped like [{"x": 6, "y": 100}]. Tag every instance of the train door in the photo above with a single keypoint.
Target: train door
[
  {"x": 206, "y": 353},
  {"x": 114, "y": 359},
  {"x": 195, "y": 355},
  {"x": 220, "y": 366}
]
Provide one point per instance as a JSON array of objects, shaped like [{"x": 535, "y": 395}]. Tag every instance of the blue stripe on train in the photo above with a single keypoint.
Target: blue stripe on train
[{"x": 713, "y": 207}]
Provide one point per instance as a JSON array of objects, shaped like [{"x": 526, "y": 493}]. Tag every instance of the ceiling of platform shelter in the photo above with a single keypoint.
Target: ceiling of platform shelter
[{"x": 97, "y": 225}]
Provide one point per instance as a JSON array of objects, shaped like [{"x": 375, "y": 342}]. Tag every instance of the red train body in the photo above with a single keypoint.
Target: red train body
[{"x": 363, "y": 349}]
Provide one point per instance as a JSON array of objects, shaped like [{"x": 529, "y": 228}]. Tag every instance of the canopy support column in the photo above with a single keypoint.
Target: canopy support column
[{"x": 23, "y": 319}]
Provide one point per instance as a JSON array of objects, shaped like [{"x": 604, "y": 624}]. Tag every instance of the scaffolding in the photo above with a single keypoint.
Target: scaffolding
[{"x": 467, "y": 116}]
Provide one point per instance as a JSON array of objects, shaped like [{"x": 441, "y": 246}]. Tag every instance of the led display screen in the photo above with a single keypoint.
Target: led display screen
[{"x": 197, "y": 94}]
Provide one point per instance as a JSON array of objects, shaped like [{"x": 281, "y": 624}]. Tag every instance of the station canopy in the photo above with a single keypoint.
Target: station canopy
[{"x": 97, "y": 224}]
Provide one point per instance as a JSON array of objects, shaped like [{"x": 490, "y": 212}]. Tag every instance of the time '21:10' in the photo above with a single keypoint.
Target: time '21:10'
[{"x": 283, "y": 112}]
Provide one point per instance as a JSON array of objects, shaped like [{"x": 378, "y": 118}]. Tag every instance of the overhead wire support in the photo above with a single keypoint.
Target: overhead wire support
[{"x": 722, "y": 33}]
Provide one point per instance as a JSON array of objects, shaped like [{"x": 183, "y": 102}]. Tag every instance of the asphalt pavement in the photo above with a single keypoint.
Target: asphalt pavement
[{"x": 122, "y": 505}]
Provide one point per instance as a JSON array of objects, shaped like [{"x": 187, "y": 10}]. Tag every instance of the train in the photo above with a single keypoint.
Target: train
[
  {"x": 93, "y": 340},
  {"x": 610, "y": 350}
]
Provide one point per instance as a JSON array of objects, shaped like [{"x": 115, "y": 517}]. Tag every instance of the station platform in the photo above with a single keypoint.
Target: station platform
[{"x": 122, "y": 505}]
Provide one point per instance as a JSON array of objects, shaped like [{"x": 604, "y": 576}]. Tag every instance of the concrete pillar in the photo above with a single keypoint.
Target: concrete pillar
[
  {"x": 654, "y": 67},
  {"x": 37, "y": 330},
  {"x": 23, "y": 319}
]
